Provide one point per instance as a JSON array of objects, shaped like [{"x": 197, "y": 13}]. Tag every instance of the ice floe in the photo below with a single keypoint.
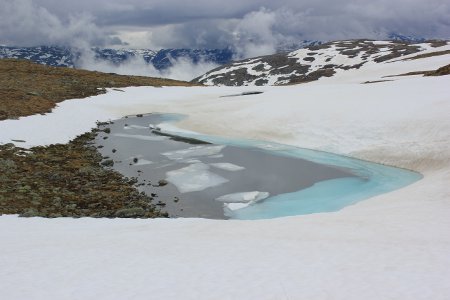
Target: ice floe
[
  {"x": 237, "y": 201},
  {"x": 134, "y": 127},
  {"x": 194, "y": 152},
  {"x": 227, "y": 166},
  {"x": 195, "y": 177}
]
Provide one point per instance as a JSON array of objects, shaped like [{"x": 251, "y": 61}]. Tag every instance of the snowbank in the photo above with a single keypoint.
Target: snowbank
[{"x": 393, "y": 246}]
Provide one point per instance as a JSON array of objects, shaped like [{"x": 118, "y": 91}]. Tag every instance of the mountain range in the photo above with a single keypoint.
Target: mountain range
[
  {"x": 312, "y": 62},
  {"x": 280, "y": 64},
  {"x": 67, "y": 57}
]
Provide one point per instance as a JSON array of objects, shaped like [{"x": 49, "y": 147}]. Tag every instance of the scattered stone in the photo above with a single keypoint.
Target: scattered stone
[
  {"x": 30, "y": 212},
  {"x": 163, "y": 182},
  {"x": 68, "y": 180},
  {"x": 107, "y": 163},
  {"x": 134, "y": 212}
]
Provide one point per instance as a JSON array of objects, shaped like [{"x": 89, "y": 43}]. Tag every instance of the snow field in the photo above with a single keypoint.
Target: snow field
[{"x": 393, "y": 246}]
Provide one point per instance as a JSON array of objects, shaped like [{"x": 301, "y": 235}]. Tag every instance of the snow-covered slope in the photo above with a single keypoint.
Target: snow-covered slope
[
  {"x": 311, "y": 63},
  {"x": 393, "y": 246}
]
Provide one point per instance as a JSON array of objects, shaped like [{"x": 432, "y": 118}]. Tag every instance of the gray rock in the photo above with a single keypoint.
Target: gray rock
[
  {"x": 107, "y": 163},
  {"x": 163, "y": 182},
  {"x": 134, "y": 212},
  {"x": 31, "y": 212},
  {"x": 7, "y": 164}
]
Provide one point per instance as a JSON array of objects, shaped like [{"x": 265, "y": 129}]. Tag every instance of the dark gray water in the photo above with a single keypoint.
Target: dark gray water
[{"x": 198, "y": 173}]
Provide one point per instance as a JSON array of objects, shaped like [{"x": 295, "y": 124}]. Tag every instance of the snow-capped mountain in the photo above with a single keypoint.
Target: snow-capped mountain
[
  {"x": 405, "y": 38},
  {"x": 310, "y": 63},
  {"x": 46, "y": 55},
  {"x": 291, "y": 46},
  {"x": 162, "y": 59}
]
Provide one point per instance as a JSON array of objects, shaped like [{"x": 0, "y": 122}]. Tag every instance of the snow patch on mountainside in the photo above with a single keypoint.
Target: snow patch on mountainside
[{"x": 314, "y": 62}]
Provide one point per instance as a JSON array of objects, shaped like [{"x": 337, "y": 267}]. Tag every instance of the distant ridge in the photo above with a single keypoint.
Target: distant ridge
[
  {"x": 311, "y": 63},
  {"x": 162, "y": 59}
]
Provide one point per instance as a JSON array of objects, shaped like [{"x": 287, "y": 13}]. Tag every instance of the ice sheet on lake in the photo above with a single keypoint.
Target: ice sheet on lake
[
  {"x": 227, "y": 166},
  {"x": 141, "y": 137},
  {"x": 244, "y": 197},
  {"x": 237, "y": 201},
  {"x": 134, "y": 127},
  {"x": 195, "y": 177},
  {"x": 195, "y": 151}
]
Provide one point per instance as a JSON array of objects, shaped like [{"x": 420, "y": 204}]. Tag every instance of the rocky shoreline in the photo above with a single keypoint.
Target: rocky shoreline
[{"x": 68, "y": 181}]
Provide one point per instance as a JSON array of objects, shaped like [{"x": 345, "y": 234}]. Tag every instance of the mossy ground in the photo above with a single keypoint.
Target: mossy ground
[
  {"x": 63, "y": 180},
  {"x": 28, "y": 88},
  {"x": 67, "y": 180}
]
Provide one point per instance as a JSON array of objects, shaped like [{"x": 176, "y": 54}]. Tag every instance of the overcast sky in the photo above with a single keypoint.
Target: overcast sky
[{"x": 248, "y": 25}]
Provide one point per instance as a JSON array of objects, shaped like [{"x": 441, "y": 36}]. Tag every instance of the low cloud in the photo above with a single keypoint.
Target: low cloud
[{"x": 183, "y": 68}]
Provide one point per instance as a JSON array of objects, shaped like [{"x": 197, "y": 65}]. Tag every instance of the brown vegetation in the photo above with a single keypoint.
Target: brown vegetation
[
  {"x": 67, "y": 181},
  {"x": 431, "y": 54},
  {"x": 64, "y": 180},
  {"x": 445, "y": 70},
  {"x": 27, "y": 88}
]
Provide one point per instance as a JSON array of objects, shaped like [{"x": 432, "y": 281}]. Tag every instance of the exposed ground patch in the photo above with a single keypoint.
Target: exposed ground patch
[
  {"x": 27, "y": 88},
  {"x": 445, "y": 70},
  {"x": 71, "y": 180},
  {"x": 67, "y": 181}
]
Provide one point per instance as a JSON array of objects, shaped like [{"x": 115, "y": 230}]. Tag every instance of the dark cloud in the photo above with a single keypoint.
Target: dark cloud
[
  {"x": 252, "y": 27},
  {"x": 22, "y": 22}
]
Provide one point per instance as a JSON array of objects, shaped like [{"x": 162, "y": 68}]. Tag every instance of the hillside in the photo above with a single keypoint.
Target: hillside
[
  {"x": 312, "y": 63},
  {"x": 47, "y": 181},
  {"x": 28, "y": 88}
]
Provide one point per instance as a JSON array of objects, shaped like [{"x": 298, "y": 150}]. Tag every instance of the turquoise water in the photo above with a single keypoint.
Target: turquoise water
[{"x": 326, "y": 196}]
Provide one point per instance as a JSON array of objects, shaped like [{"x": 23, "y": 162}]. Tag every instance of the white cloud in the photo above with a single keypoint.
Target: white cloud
[{"x": 182, "y": 68}]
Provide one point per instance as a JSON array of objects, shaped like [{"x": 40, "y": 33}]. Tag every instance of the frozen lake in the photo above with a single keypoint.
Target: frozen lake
[{"x": 212, "y": 177}]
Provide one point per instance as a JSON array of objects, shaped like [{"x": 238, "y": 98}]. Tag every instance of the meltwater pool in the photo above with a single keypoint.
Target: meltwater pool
[{"x": 193, "y": 175}]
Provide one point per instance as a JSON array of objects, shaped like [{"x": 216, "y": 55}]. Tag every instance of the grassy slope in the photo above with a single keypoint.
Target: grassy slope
[{"x": 28, "y": 88}]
